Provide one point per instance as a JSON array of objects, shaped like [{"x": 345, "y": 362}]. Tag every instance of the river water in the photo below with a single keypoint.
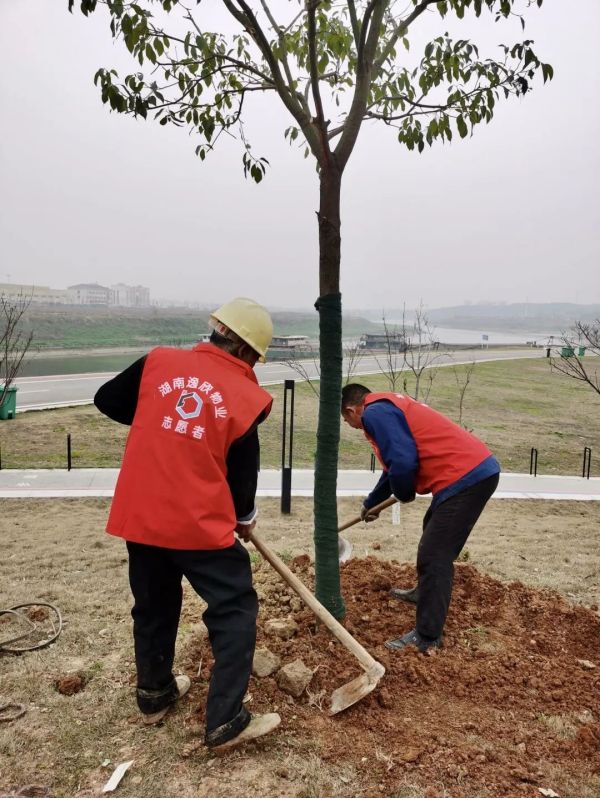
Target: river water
[
  {"x": 40, "y": 364},
  {"x": 457, "y": 336}
]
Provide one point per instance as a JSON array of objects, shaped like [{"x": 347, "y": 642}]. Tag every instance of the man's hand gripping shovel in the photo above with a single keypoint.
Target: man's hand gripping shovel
[{"x": 345, "y": 548}]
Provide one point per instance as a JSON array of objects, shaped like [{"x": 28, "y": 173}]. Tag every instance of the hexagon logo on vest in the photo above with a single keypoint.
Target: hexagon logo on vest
[{"x": 189, "y": 405}]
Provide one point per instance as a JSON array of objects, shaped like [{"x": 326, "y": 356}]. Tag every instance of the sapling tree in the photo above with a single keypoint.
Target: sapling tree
[
  {"x": 574, "y": 358},
  {"x": 462, "y": 377},
  {"x": 332, "y": 66},
  {"x": 14, "y": 340},
  {"x": 391, "y": 360},
  {"x": 422, "y": 354}
]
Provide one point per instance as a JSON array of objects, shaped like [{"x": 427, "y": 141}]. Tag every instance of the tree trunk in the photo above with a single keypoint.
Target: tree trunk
[{"x": 329, "y": 305}]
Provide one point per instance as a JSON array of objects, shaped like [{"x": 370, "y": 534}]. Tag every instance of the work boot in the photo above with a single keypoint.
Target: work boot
[
  {"x": 183, "y": 685},
  {"x": 258, "y": 727},
  {"x": 411, "y": 595},
  {"x": 413, "y": 638}
]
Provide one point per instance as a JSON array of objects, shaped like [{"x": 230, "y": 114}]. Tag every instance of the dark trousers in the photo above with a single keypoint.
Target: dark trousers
[
  {"x": 223, "y": 579},
  {"x": 445, "y": 532}
]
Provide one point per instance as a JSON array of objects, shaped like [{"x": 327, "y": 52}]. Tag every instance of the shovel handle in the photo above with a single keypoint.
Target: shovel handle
[
  {"x": 377, "y": 509},
  {"x": 368, "y": 663}
]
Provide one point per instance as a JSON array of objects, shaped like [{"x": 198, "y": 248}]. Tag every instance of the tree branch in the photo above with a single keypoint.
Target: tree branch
[
  {"x": 401, "y": 29},
  {"x": 354, "y": 21},
  {"x": 369, "y": 37},
  {"x": 225, "y": 57},
  {"x": 430, "y": 108},
  {"x": 278, "y": 30},
  {"x": 248, "y": 21},
  {"x": 313, "y": 67}
]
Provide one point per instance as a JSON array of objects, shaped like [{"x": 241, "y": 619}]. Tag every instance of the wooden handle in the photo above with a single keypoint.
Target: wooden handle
[
  {"x": 336, "y": 628},
  {"x": 377, "y": 509}
]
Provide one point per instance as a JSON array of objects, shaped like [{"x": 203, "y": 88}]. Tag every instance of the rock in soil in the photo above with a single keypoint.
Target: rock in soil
[
  {"x": 380, "y": 582},
  {"x": 265, "y": 663},
  {"x": 294, "y": 678},
  {"x": 283, "y": 628},
  {"x": 585, "y": 663},
  {"x": 384, "y": 698},
  {"x": 301, "y": 562}
]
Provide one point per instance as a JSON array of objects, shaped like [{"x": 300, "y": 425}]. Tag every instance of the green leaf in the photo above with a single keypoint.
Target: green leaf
[
  {"x": 461, "y": 126},
  {"x": 547, "y": 72}
]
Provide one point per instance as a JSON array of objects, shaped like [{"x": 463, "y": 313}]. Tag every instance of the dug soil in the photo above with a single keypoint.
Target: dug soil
[{"x": 510, "y": 705}]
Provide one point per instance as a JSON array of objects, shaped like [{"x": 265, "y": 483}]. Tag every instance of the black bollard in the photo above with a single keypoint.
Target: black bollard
[
  {"x": 286, "y": 463},
  {"x": 533, "y": 460},
  {"x": 587, "y": 462}
]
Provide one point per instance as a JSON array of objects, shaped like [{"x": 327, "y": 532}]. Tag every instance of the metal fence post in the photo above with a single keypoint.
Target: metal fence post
[
  {"x": 533, "y": 461},
  {"x": 286, "y": 463},
  {"x": 587, "y": 462},
  {"x": 69, "y": 451},
  {"x": 372, "y": 462}
]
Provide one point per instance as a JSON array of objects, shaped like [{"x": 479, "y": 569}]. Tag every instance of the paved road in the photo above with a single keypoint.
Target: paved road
[
  {"x": 37, "y": 393},
  {"x": 82, "y": 482}
]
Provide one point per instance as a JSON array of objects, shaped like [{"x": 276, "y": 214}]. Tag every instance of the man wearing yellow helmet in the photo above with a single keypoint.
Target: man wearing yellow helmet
[{"x": 186, "y": 485}]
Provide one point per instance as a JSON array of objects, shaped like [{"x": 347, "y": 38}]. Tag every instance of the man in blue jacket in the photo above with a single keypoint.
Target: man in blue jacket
[{"x": 423, "y": 452}]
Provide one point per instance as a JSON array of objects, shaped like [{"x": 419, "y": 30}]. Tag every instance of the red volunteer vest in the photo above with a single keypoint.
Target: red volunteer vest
[
  {"x": 446, "y": 451},
  {"x": 172, "y": 490}
]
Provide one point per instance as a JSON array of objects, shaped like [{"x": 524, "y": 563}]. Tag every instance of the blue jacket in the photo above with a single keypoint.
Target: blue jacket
[{"x": 387, "y": 425}]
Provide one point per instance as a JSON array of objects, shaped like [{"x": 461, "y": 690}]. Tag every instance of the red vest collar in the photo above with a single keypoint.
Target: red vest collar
[{"x": 214, "y": 351}]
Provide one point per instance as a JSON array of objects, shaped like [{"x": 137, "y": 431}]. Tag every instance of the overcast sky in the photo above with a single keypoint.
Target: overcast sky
[{"x": 512, "y": 214}]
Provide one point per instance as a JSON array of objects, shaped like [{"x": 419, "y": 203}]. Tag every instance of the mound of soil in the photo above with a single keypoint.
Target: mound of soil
[{"x": 510, "y": 705}]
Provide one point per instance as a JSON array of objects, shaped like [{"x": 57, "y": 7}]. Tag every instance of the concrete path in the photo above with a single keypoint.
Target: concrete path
[{"x": 89, "y": 482}]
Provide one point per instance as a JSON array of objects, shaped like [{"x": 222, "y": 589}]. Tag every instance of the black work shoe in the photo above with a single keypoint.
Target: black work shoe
[
  {"x": 411, "y": 595},
  {"x": 413, "y": 638}
]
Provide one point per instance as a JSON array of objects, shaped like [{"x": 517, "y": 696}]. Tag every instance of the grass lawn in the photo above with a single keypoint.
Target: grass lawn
[{"x": 512, "y": 405}]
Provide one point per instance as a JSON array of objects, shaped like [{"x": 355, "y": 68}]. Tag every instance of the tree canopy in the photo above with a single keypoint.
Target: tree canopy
[{"x": 334, "y": 65}]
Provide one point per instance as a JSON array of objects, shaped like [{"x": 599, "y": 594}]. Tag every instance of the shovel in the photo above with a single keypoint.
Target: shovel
[
  {"x": 347, "y": 695},
  {"x": 344, "y": 546}
]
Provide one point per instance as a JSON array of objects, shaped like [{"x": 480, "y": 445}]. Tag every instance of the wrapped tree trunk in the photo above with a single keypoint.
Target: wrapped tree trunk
[{"x": 329, "y": 305}]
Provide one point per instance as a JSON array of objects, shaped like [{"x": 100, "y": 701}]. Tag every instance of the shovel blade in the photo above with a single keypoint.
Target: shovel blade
[
  {"x": 345, "y": 549},
  {"x": 352, "y": 692}
]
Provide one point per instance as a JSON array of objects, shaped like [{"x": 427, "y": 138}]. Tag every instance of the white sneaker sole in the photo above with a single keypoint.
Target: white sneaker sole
[
  {"x": 258, "y": 727},
  {"x": 183, "y": 685}
]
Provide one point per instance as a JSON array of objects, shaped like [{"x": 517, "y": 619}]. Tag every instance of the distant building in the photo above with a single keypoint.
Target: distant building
[
  {"x": 395, "y": 342},
  {"x": 89, "y": 294},
  {"x": 37, "y": 294},
  {"x": 289, "y": 342},
  {"x": 129, "y": 296}
]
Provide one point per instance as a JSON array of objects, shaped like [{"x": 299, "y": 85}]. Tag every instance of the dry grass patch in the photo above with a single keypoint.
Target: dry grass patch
[
  {"x": 56, "y": 550},
  {"x": 513, "y": 405}
]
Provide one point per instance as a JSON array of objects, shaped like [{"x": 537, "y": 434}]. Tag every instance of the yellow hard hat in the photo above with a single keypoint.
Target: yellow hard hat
[{"x": 249, "y": 320}]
